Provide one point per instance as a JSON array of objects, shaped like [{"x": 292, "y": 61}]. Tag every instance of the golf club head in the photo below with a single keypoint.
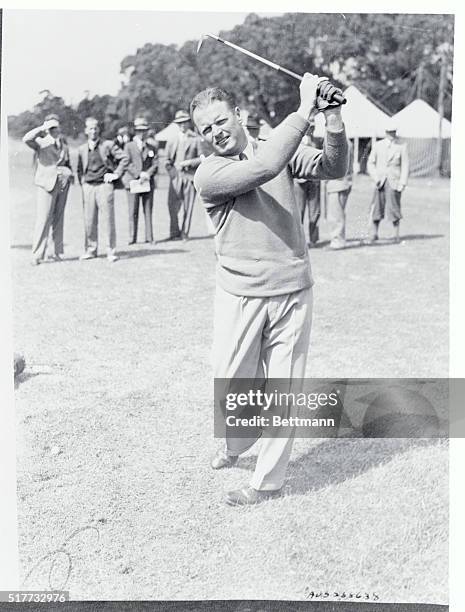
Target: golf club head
[
  {"x": 199, "y": 44},
  {"x": 203, "y": 37}
]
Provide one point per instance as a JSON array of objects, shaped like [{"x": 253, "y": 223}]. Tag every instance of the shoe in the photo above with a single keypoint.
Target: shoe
[
  {"x": 175, "y": 237},
  {"x": 370, "y": 241},
  {"x": 336, "y": 247},
  {"x": 112, "y": 258},
  {"x": 35, "y": 262},
  {"x": 86, "y": 256},
  {"x": 131, "y": 242},
  {"x": 55, "y": 257},
  {"x": 222, "y": 460},
  {"x": 248, "y": 496}
]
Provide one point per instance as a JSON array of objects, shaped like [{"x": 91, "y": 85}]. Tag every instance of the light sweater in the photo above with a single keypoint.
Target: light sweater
[{"x": 260, "y": 241}]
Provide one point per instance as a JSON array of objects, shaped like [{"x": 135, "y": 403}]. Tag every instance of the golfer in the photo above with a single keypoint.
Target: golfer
[{"x": 263, "y": 304}]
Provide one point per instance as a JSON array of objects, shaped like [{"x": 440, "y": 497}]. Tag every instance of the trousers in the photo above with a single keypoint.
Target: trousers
[
  {"x": 181, "y": 196},
  {"x": 50, "y": 215},
  {"x": 98, "y": 200},
  {"x": 263, "y": 337},
  {"x": 134, "y": 200},
  {"x": 337, "y": 201},
  {"x": 308, "y": 196}
]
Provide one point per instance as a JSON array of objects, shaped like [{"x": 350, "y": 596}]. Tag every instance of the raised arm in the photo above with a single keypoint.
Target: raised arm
[
  {"x": 32, "y": 135},
  {"x": 219, "y": 179},
  {"x": 329, "y": 163}
]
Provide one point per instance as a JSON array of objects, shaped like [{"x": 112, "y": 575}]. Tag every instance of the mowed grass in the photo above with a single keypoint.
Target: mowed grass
[{"x": 114, "y": 419}]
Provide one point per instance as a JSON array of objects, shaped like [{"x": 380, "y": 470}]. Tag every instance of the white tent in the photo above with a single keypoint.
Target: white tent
[
  {"x": 419, "y": 120},
  {"x": 362, "y": 118},
  {"x": 418, "y": 125},
  {"x": 170, "y": 131}
]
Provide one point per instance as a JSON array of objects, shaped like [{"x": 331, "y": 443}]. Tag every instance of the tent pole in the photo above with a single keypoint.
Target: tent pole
[{"x": 442, "y": 84}]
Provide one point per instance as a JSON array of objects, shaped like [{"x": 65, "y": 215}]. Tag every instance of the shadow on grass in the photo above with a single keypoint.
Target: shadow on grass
[
  {"x": 336, "y": 460},
  {"x": 148, "y": 252},
  {"x": 26, "y": 247},
  {"x": 407, "y": 238}
]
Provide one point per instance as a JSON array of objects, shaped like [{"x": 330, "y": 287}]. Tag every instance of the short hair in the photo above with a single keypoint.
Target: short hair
[
  {"x": 52, "y": 116},
  {"x": 209, "y": 95},
  {"x": 92, "y": 120}
]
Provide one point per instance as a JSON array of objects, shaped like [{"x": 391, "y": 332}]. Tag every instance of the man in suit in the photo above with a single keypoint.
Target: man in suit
[
  {"x": 263, "y": 303},
  {"x": 307, "y": 193},
  {"x": 182, "y": 158},
  {"x": 139, "y": 179},
  {"x": 100, "y": 164},
  {"x": 337, "y": 191},
  {"x": 388, "y": 166},
  {"x": 53, "y": 177}
]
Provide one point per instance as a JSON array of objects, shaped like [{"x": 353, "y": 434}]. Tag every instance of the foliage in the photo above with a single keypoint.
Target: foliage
[{"x": 392, "y": 58}]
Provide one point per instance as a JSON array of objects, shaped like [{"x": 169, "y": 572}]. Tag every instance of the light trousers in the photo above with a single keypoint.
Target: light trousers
[
  {"x": 337, "y": 201},
  {"x": 50, "y": 215},
  {"x": 263, "y": 337},
  {"x": 98, "y": 201},
  {"x": 181, "y": 196}
]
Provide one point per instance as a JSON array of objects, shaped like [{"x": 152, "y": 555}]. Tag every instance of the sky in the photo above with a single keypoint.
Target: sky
[{"x": 69, "y": 52}]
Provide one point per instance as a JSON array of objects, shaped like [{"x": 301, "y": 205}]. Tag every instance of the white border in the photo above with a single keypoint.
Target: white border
[{"x": 8, "y": 543}]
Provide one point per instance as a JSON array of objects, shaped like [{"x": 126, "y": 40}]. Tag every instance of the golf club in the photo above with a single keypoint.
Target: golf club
[{"x": 336, "y": 97}]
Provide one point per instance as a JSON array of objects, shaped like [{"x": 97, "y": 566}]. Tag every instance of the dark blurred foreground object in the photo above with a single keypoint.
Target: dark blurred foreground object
[
  {"x": 20, "y": 364},
  {"x": 400, "y": 413}
]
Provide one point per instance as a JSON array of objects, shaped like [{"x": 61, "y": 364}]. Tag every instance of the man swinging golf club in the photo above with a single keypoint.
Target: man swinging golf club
[{"x": 263, "y": 304}]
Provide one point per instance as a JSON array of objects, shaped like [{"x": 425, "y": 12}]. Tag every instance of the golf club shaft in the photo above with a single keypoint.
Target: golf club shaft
[{"x": 337, "y": 97}]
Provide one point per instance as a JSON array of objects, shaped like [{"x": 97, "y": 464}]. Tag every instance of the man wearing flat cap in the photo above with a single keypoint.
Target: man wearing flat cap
[
  {"x": 182, "y": 159},
  {"x": 388, "y": 166},
  {"x": 53, "y": 177},
  {"x": 139, "y": 179}
]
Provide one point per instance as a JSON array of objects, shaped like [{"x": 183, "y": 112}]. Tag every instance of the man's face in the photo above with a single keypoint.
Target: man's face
[
  {"x": 92, "y": 130},
  {"x": 184, "y": 126},
  {"x": 54, "y": 132},
  {"x": 391, "y": 135},
  {"x": 220, "y": 126},
  {"x": 142, "y": 134}
]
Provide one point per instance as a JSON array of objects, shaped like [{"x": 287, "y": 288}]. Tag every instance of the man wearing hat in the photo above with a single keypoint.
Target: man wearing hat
[
  {"x": 139, "y": 179},
  {"x": 100, "y": 164},
  {"x": 388, "y": 166},
  {"x": 182, "y": 159},
  {"x": 53, "y": 177}
]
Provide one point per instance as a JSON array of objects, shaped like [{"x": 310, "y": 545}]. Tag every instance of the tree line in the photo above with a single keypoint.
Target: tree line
[{"x": 392, "y": 58}]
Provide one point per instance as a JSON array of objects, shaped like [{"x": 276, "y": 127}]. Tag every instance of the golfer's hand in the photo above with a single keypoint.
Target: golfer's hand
[{"x": 308, "y": 94}]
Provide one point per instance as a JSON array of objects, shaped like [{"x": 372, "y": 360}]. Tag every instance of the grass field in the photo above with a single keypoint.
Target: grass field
[{"x": 114, "y": 419}]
